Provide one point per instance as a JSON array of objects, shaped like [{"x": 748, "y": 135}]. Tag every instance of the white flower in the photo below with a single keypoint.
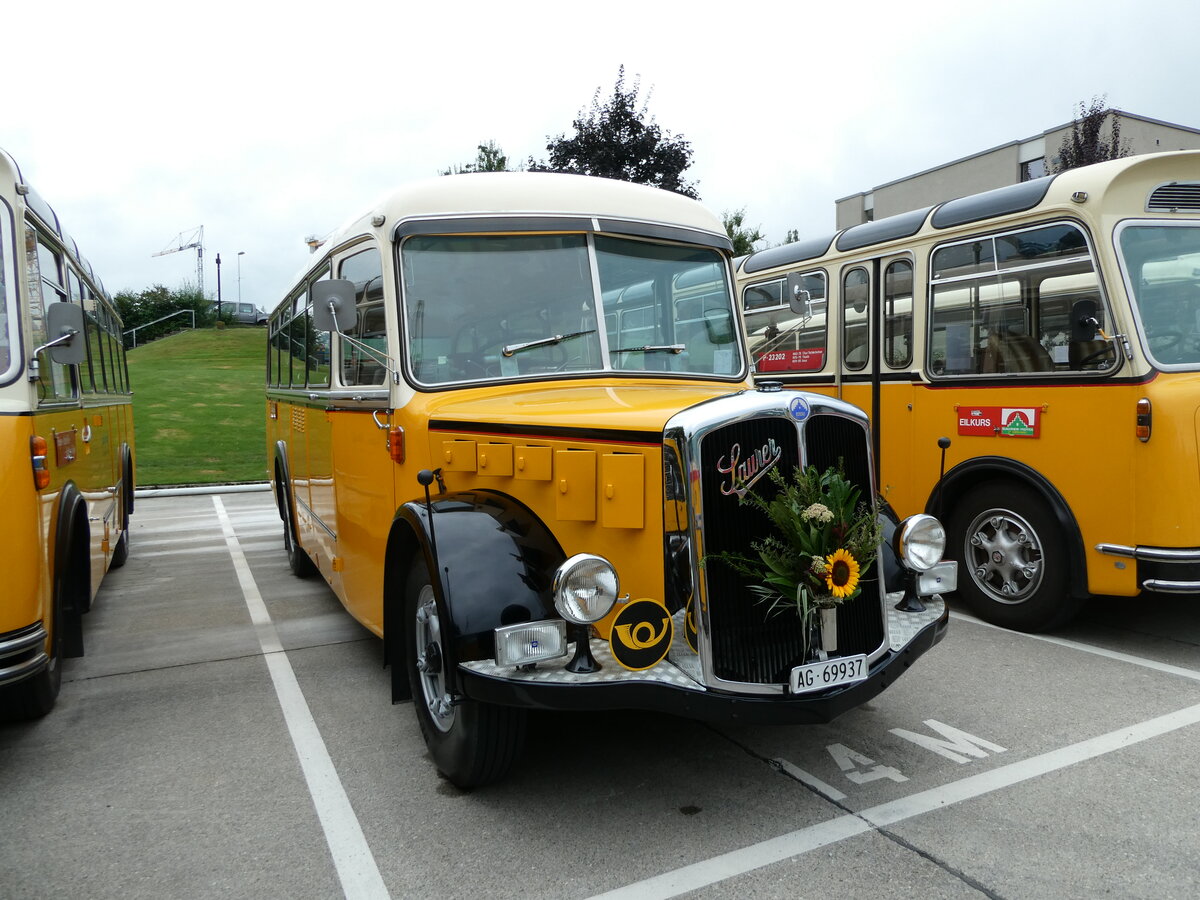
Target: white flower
[{"x": 818, "y": 511}]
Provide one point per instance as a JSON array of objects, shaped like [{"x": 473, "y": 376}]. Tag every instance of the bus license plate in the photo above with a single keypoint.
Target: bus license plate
[{"x": 820, "y": 675}]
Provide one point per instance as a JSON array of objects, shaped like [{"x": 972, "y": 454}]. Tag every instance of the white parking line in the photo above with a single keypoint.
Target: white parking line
[
  {"x": 796, "y": 843},
  {"x": 352, "y": 856},
  {"x": 1165, "y": 668}
]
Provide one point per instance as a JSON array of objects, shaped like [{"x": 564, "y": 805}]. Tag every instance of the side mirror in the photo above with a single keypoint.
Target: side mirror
[
  {"x": 64, "y": 328},
  {"x": 333, "y": 305},
  {"x": 1084, "y": 323},
  {"x": 798, "y": 297}
]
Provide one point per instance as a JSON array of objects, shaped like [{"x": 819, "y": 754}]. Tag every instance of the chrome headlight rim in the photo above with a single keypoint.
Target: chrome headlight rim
[
  {"x": 568, "y": 577},
  {"x": 920, "y": 542}
]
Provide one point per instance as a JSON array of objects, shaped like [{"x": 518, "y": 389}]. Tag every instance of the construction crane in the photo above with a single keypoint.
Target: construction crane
[{"x": 189, "y": 240}]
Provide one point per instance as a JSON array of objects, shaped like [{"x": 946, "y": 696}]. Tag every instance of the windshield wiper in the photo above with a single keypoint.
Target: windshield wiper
[
  {"x": 652, "y": 348},
  {"x": 510, "y": 349}
]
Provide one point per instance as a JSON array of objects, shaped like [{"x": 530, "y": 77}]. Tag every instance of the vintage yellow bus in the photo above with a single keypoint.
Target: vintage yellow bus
[
  {"x": 66, "y": 436},
  {"x": 1050, "y": 330},
  {"x": 510, "y": 421}
]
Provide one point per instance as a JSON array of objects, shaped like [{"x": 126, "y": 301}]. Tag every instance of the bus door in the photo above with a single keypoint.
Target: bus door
[{"x": 876, "y": 355}]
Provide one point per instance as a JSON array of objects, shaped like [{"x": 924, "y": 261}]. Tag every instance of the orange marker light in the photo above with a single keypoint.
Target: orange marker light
[
  {"x": 1142, "y": 430},
  {"x": 41, "y": 471},
  {"x": 395, "y": 442}
]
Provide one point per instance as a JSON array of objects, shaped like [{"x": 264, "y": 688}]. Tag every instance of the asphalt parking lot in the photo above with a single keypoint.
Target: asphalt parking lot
[{"x": 230, "y": 734}]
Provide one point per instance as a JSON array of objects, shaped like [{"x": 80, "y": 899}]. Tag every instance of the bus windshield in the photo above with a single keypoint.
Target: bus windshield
[
  {"x": 482, "y": 307},
  {"x": 1162, "y": 263}
]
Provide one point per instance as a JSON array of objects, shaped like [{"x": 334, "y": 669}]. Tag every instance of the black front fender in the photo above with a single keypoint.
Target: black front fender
[{"x": 492, "y": 561}]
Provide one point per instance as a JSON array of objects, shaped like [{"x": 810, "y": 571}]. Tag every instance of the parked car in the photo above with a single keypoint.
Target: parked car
[{"x": 243, "y": 313}]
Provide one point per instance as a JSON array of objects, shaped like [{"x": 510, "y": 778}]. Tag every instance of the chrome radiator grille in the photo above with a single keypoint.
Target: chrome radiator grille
[{"x": 748, "y": 643}]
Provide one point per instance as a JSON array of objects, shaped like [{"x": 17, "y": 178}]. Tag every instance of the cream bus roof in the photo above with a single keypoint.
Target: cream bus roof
[{"x": 533, "y": 193}]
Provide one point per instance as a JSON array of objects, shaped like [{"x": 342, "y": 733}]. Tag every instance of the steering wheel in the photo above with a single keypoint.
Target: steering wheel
[{"x": 1095, "y": 356}]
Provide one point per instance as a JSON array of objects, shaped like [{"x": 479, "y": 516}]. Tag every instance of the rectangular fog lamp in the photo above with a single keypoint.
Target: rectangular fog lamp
[{"x": 530, "y": 642}]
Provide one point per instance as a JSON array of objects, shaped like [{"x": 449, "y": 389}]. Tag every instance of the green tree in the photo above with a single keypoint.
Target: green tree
[
  {"x": 743, "y": 238},
  {"x": 139, "y": 310},
  {"x": 618, "y": 139},
  {"x": 1085, "y": 143},
  {"x": 488, "y": 158},
  {"x": 793, "y": 235}
]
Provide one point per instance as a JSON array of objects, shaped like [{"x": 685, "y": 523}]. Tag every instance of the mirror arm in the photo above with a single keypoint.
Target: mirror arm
[
  {"x": 65, "y": 338},
  {"x": 382, "y": 358}
]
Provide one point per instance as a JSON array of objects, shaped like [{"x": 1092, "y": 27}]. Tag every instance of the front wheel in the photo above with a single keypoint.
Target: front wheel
[
  {"x": 1012, "y": 558},
  {"x": 471, "y": 743}
]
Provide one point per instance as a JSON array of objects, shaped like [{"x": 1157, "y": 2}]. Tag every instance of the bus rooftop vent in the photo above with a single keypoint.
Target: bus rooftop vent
[{"x": 1179, "y": 196}]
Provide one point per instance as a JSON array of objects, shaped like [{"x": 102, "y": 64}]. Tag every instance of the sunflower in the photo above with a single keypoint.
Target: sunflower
[{"x": 841, "y": 573}]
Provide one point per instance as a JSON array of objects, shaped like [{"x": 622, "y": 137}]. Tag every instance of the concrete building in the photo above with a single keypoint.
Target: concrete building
[{"x": 1007, "y": 164}]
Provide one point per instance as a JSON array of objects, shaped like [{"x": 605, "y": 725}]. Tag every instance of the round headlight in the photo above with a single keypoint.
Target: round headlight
[
  {"x": 920, "y": 542},
  {"x": 585, "y": 588}
]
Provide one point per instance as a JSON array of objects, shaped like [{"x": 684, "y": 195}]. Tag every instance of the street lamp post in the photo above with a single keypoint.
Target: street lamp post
[
  {"x": 218, "y": 285},
  {"x": 241, "y": 253}
]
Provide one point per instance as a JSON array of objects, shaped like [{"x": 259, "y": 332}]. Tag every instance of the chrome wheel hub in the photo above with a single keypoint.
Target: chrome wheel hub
[
  {"x": 430, "y": 662},
  {"x": 1004, "y": 556}
]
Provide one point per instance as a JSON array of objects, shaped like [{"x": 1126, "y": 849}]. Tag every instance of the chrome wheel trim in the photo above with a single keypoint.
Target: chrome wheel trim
[
  {"x": 1004, "y": 556},
  {"x": 431, "y": 664}
]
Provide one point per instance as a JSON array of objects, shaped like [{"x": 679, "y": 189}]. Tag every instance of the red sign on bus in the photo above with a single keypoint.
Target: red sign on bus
[
  {"x": 792, "y": 360},
  {"x": 1000, "y": 421}
]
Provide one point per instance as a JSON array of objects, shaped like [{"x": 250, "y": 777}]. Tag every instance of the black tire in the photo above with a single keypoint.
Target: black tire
[
  {"x": 1012, "y": 557},
  {"x": 300, "y": 563},
  {"x": 121, "y": 551},
  {"x": 471, "y": 743}
]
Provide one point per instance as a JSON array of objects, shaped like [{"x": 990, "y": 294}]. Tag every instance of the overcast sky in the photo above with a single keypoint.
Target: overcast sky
[{"x": 141, "y": 120}]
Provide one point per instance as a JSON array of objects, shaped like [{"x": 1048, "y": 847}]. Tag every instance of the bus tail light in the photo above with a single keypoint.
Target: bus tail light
[
  {"x": 1143, "y": 420},
  {"x": 395, "y": 443},
  {"x": 41, "y": 470}
]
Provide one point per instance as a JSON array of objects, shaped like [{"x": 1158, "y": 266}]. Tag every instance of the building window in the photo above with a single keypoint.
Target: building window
[{"x": 1034, "y": 168}]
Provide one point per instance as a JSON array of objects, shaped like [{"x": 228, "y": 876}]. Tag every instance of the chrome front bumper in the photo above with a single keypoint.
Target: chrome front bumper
[
  {"x": 1161, "y": 560},
  {"x": 22, "y": 654}
]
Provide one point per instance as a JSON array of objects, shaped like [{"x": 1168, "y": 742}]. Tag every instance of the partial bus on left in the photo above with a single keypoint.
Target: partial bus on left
[{"x": 66, "y": 445}]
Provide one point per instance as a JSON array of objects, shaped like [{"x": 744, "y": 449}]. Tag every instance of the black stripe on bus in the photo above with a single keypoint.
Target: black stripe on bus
[{"x": 549, "y": 432}]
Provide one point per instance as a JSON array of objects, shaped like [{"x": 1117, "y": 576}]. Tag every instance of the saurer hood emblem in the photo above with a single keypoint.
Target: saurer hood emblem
[{"x": 744, "y": 472}]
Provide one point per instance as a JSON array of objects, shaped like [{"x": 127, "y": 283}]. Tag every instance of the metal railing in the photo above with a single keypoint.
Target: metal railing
[{"x": 182, "y": 312}]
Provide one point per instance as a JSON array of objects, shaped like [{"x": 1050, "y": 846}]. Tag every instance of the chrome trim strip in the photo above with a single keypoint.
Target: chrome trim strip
[
  {"x": 23, "y": 670},
  {"x": 1152, "y": 554},
  {"x": 1171, "y": 587},
  {"x": 22, "y": 641}
]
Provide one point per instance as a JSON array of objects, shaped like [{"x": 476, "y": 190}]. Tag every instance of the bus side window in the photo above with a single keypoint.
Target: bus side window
[
  {"x": 358, "y": 367},
  {"x": 44, "y": 266},
  {"x": 897, "y": 314},
  {"x": 856, "y": 342}
]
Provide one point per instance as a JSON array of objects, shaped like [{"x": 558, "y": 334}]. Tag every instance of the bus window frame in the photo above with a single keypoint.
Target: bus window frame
[
  {"x": 1030, "y": 307},
  {"x": 13, "y": 333},
  {"x": 1133, "y": 295}
]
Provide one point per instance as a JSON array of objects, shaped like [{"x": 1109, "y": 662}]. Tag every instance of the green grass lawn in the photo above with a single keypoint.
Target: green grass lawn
[{"x": 199, "y": 407}]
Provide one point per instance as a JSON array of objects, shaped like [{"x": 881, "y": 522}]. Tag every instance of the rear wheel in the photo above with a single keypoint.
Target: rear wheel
[
  {"x": 1012, "y": 557},
  {"x": 471, "y": 743},
  {"x": 299, "y": 561}
]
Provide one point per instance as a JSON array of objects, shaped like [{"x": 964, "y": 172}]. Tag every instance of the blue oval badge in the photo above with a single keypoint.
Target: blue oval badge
[{"x": 799, "y": 409}]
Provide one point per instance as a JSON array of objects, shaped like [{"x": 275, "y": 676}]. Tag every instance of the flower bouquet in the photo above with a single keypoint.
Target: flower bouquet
[{"x": 825, "y": 537}]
